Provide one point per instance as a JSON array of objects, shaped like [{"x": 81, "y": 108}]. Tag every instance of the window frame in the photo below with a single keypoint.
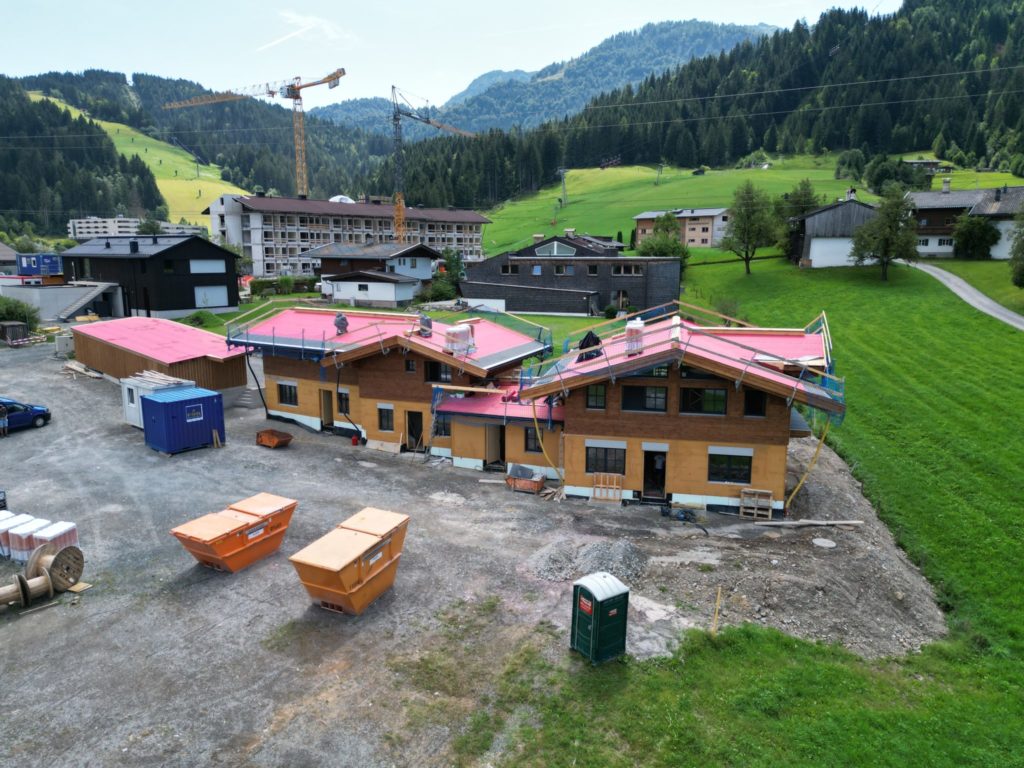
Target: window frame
[
  {"x": 343, "y": 402},
  {"x": 443, "y": 371},
  {"x": 684, "y": 410},
  {"x": 602, "y": 459},
  {"x": 760, "y": 395},
  {"x": 732, "y": 463},
  {"x": 292, "y": 401},
  {"x": 658, "y": 393},
  {"x": 531, "y": 440},
  {"x": 410, "y": 365},
  {"x": 442, "y": 425},
  {"x": 389, "y": 420},
  {"x": 592, "y": 389}
]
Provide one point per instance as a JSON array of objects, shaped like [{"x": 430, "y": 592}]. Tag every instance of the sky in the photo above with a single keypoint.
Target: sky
[{"x": 430, "y": 49}]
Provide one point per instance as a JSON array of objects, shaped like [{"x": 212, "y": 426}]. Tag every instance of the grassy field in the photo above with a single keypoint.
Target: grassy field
[
  {"x": 186, "y": 187},
  {"x": 933, "y": 433},
  {"x": 990, "y": 277},
  {"x": 605, "y": 201}
]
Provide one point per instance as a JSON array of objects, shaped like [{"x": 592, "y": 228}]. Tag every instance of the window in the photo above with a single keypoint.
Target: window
[
  {"x": 194, "y": 412},
  {"x": 440, "y": 372},
  {"x": 532, "y": 442},
  {"x": 644, "y": 398},
  {"x": 536, "y": 270},
  {"x": 703, "y": 229},
  {"x": 510, "y": 269},
  {"x": 725, "y": 218},
  {"x": 363, "y": 287},
  {"x": 725, "y": 468},
  {"x": 592, "y": 270},
  {"x": 596, "y": 394},
  {"x": 343, "y": 403},
  {"x": 391, "y": 267},
  {"x": 443, "y": 425},
  {"x": 945, "y": 241},
  {"x": 385, "y": 419},
  {"x": 168, "y": 267},
  {"x": 657, "y": 372},
  {"x": 606, "y": 460},
  {"x": 410, "y": 366},
  {"x": 755, "y": 402},
  {"x": 564, "y": 269},
  {"x": 687, "y": 372},
  {"x": 923, "y": 242},
  {"x": 636, "y": 270},
  {"x": 131, "y": 396},
  {"x": 693, "y": 400},
  {"x": 412, "y": 263},
  {"x": 287, "y": 394},
  {"x": 555, "y": 249}
]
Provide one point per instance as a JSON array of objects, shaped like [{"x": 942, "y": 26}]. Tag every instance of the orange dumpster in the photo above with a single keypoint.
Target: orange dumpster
[
  {"x": 237, "y": 537},
  {"x": 273, "y": 438},
  {"x": 390, "y": 526}
]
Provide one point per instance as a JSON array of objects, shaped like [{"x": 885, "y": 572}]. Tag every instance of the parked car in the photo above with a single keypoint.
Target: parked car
[{"x": 22, "y": 415}]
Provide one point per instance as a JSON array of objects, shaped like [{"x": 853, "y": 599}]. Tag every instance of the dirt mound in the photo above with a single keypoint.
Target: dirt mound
[{"x": 565, "y": 560}]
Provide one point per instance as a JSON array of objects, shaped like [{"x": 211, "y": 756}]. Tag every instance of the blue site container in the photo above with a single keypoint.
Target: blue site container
[
  {"x": 177, "y": 420},
  {"x": 32, "y": 264}
]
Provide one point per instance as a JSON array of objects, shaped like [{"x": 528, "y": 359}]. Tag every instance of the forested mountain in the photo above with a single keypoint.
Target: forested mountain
[
  {"x": 946, "y": 74},
  {"x": 520, "y": 99},
  {"x": 54, "y": 167},
  {"x": 252, "y": 140}
]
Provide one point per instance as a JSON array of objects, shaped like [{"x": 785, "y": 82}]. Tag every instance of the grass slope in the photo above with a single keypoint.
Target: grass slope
[
  {"x": 990, "y": 277},
  {"x": 932, "y": 431},
  {"x": 605, "y": 201},
  {"x": 185, "y": 193}
]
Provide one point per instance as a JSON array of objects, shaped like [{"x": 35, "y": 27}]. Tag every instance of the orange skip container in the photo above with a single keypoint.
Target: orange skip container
[
  {"x": 238, "y": 536},
  {"x": 349, "y": 567}
]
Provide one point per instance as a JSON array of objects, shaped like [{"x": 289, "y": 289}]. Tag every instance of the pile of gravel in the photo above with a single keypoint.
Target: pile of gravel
[{"x": 565, "y": 560}]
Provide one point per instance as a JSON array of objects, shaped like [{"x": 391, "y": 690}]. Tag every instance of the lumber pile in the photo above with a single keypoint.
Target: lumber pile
[
  {"x": 73, "y": 368},
  {"x": 806, "y": 523}
]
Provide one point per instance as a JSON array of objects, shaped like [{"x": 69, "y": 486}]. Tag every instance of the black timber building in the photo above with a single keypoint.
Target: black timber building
[
  {"x": 570, "y": 274},
  {"x": 159, "y": 275}
]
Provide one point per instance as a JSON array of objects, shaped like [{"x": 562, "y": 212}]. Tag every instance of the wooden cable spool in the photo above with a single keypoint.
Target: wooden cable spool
[{"x": 46, "y": 572}]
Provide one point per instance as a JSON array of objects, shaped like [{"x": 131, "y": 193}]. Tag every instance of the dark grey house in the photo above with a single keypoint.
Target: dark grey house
[
  {"x": 824, "y": 237},
  {"x": 570, "y": 274},
  {"x": 159, "y": 275}
]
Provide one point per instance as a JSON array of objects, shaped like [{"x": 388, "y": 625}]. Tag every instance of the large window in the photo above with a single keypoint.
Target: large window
[
  {"x": 510, "y": 269},
  {"x": 287, "y": 394},
  {"x": 596, "y": 394},
  {"x": 725, "y": 468},
  {"x": 532, "y": 442},
  {"x": 443, "y": 425},
  {"x": 439, "y": 372},
  {"x": 628, "y": 269},
  {"x": 343, "y": 404},
  {"x": 385, "y": 419},
  {"x": 592, "y": 270},
  {"x": 755, "y": 402},
  {"x": 606, "y": 460},
  {"x": 709, "y": 401},
  {"x": 564, "y": 269},
  {"x": 644, "y": 398}
]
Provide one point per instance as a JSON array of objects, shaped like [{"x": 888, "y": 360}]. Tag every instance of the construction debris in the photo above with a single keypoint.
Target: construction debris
[
  {"x": 566, "y": 559},
  {"x": 73, "y": 367},
  {"x": 805, "y": 523}
]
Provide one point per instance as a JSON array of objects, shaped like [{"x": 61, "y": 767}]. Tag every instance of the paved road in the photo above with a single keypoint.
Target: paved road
[{"x": 973, "y": 296}]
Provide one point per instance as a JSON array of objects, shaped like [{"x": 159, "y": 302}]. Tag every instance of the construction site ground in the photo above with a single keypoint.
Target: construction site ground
[{"x": 165, "y": 662}]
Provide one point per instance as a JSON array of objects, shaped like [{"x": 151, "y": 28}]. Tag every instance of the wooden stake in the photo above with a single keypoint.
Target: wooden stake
[
  {"x": 714, "y": 622},
  {"x": 216, "y": 439}
]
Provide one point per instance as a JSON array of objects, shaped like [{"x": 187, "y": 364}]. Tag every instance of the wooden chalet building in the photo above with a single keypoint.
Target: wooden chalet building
[
  {"x": 824, "y": 237},
  {"x": 159, "y": 275},
  {"x": 376, "y": 374},
  {"x": 571, "y": 274}
]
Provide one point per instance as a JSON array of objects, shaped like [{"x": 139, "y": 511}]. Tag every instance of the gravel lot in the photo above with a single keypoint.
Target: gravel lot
[{"x": 166, "y": 663}]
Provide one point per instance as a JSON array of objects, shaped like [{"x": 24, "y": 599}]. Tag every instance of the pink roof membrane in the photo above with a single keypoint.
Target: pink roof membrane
[{"x": 162, "y": 340}]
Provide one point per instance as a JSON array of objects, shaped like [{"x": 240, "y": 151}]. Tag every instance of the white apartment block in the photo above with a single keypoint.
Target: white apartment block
[
  {"x": 94, "y": 226},
  {"x": 277, "y": 232}
]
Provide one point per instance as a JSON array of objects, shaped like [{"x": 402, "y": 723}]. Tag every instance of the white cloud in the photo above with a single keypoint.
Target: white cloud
[{"x": 308, "y": 28}]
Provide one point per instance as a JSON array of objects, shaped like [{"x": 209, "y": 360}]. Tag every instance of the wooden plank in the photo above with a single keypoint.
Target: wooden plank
[{"x": 806, "y": 523}]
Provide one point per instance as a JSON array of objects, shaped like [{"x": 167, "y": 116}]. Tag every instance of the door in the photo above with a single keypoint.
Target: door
[
  {"x": 654, "y": 474},
  {"x": 583, "y": 621},
  {"x": 413, "y": 430},
  {"x": 494, "y": 443},
  {"x": 132, "y": 411},
  {"x": 326, "y": 408}
]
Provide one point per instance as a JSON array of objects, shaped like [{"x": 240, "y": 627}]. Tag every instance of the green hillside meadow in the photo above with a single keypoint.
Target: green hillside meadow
[
  {"x": 605, "y": 201},
  {"x": 186, "y": 187}
]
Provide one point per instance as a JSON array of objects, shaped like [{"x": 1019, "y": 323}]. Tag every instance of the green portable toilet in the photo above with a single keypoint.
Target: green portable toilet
[{"x": 600, "y": 603}]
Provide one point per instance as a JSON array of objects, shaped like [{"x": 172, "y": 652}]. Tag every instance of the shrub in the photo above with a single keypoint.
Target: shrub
[
  {"x": 285, "y": 284},
  {"x": 201, "y": 319},
  {"x": 12, "y": 309},
  {"x": 611, "y": 311}
]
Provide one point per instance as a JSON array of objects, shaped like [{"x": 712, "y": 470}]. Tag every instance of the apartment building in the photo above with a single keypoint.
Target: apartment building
[
  {"x": 94, "y": 226},
  {"x": 702, "y": 227},
  {"x": 277, "y": 232}
]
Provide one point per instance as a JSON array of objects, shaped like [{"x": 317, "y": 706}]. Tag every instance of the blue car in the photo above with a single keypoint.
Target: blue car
[{"x": 22, "y": 415}]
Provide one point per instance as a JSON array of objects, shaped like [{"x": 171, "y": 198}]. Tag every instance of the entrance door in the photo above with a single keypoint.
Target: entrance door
[
  {"x": 413, "y": 430},
  {"x": 326, "y": 408},
  {"x": 654, "y": 474},
  {"x": 494, "y": 443}
]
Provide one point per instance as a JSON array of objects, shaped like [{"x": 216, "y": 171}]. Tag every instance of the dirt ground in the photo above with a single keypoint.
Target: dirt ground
[{"x": 164, "y": 662}]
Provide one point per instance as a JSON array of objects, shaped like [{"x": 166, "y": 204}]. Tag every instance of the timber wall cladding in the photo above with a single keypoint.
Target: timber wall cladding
[
  {"x": 119, "y": 363},
  {"x": 515, "y": 444},
  {"x": 733, "y": 427},
  {"x": 686, "y": 469}
]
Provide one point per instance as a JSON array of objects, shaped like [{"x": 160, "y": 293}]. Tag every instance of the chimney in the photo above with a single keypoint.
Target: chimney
[
  {"x": 999, "y": 194},
  {"x": 570, "y": 232},
  {"x": 107, "y": 244},
  {"x": 538, "y": 238},
  {"x": 261, "y": 193},
  {"x": 851, "y": 193},
  {"x": 133, "y": 246},
  {"x": 945, "y": 185},
  {"x": 154, "y": 240}
]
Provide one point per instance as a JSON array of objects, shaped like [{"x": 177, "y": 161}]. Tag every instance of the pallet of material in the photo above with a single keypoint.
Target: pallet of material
[{"x": 74, "y": 367}]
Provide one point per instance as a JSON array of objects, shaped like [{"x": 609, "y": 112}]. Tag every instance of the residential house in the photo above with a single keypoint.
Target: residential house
[
  {"x": 937, "y": 212},
  {"x": 824, "y": 237},
  {"x": 701, "y": 227},
  {"x": 278, "y": 233},
  {"x": 376, "y": 374},
  {"x": 1001, "y": 206},
  {"x": 159, "y": 275},
  {"x": 571, "y": 275},
  {"x": 381, "y": 275}
]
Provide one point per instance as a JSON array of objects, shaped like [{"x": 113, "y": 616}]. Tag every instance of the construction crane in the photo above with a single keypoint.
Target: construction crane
[
  {"x": 286, "y": 89},
  {"x": 399, "y": 111}
]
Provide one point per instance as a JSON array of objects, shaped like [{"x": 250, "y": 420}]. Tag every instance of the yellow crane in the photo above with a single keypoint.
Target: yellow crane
[
  {"x": 287, "y": 89},
  {"x": 400, "y": 110}
]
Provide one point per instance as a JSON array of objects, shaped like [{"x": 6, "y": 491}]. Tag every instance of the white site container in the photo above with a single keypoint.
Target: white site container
[
  {"x": 62, "y": 534},
  {"x": 634, "y": 337},
  {"x": 146, "y": 383},
  {"x": 21, "y": 538},
  {"x": 5, "y": 531}
]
